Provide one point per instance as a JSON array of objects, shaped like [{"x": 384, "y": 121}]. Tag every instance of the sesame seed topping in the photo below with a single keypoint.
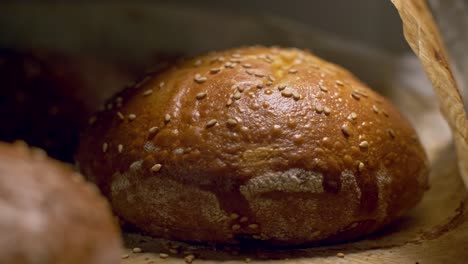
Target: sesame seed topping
[
  {"x": 229, "y": 102},
  {"x": 391, "y": 133},
  {"x": 104, "y": 147},
  {"x": 153, "y": 131},
  {"x": 327, "y": 110},
  {"x": 201, "y": 95},
  {"x": 147, "y": 92},
  {"x": 260, "y": 85},
  {"x": 247, "y": 65},
  {"x": 161, "y": 84},
  {"x": 292, "y": 71},
  {"x": 281, "y": 87},
  {"x": 126, "y": 256},
  {"x": 319, "y": 108},
  {"x": 339, "y": 83},
  {"x": 236, "y": 55},
  {"x": 259, "y": 74},
  {"x": 355, "y": 96},
  {"x": 189, "y": 258},
  {"x": 323, "y": 88},
  {"x": 198, "y": 63},
  {"x": 156, "y": 167},
  {"x": 340, "y": 255},
  {"x": 131, "y": 117},
  {"x": 244, "y": 219},
  {"x": 364, "y": 144},
  {"x": 235, "y": 60},
  {"x": 167, "y": 118},
  {"x": 346, "y": 129},
  {"x": 137, "y": 250},
  {"x": 352, "y": 116},
  {"x": 269, "y": 83},
  {"x": 215, "y": 70},
  {"x": 92, "y": 120},
  {"x": 271, "y": 78},
  {"x": 237, "y": 96},
  {"x": 296, "y": 95},
  {"x": 120, "y": 115},
  {"x": 253, "y": 226},
  {"x": 211, "y": 123},
  {"x": 236, "y": 227},
  {"x": 286, "y": 93},
  {"x": 234, "y": 216},
  {"x": 240, "y": 88},
  {"x": 249, "y": 72},
  {"x": 199, "y": 78},
  {"x": 361, "y": 167},
  {"x": 120, "y": 148},
  {"x": 173, "y": 251},
  {"x": 375, "y": 109},
  {"x": 231, "y": 122},
  {"x": 163, "y": 255}
]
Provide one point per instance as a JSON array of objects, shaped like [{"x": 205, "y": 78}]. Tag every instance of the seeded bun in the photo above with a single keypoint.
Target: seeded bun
[
  {"x": 49, "y": 214},
  {"x": 265, "y": 144},
  {"x": 47, "y": 97}
]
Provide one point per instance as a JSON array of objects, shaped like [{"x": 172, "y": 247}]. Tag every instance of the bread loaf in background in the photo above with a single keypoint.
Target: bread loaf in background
[
  {"x": 49, "y": 214},
  {"x": 46, "y": 96},
  {"x": 260, "y": 144}
]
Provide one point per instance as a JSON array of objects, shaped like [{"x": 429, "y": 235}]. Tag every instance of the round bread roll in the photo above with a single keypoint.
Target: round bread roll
[
  {"x": 265, "y": 144},
  {"x": 49, "y": 214},
  {"x": 46, "y": 97}
]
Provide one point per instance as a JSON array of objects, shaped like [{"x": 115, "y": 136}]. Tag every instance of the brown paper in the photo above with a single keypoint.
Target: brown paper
[{"x": 424, "y": 38}]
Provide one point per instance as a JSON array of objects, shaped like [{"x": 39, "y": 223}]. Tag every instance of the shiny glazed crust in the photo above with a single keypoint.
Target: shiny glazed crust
[
  {"x": 49, "y": 214},
  {"x": 265, "y": 144}
]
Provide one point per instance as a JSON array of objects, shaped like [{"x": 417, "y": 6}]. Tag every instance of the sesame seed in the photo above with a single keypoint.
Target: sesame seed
[
  {"x": 286, "y": 93},
  {"x": 131, "y": 117},
  {"x": 319, "y": 108},
  {"x": 375, "y": 109},
  {"x": 253, "y": 226},
  {"x": 153, "y": 131},
  {"x": 340, "y": 255},
  {"x": 346, "y": 130},
  {"x": 296, "y": 95},
  {"x": 120, "y": 115},
  {"x": 271, "y": 78},
  {"x": 92, "y": 120},
  {"x": 260, "y": 85},
  {"x": 236, "y": 55},
  {"x": 352, "y": 116},
  {"x": 247, "y": 65},
  {"x": 355, "y": 95},
  {"x": 199, "y": 79},
  {"x": 249, "y": 72},
  {"x": 240, "y": 88},
  {"x": 189, "y": 258},
  {"x": 384, "y": 113},
  {"x": 137, "y": 250},
  {"x": 234, "y": 216},
  {"x": 161, "y": 84},
  {"x": 235, "y": 60},
  {"x": 237, "y": 96},
  {"x": 391, "y": 133},
  {"x": 167, "y": 118},
  {"x": 147, "y": 92},
  {"x": 339, "y": 83},
  {"x": 236, "y": 227},
  {"x": 229, "y": 102},
  {"x": 104, "y": 147},
  {"x": 244, "y": 219},
  {"x": 327, "y": 110},
  {"x": 259, "y": 74},
  {"x": 126, "y": 256},
  {"x": 173, "y": 251},
  {"x": 163, "y": 255},
  {"x": 120, "y": 148},
  {"x": 215, "y": 70},
  {"x": 211, "y": 123},
  {"x": 220, "y": 59},
  {"x": 269, "y": 83},
  {"x": 201, "y": 95},
  {"x": 364, "y": 144},
  {"x": 323, "y": 88},
  {"x": 156, "y": 167},
  {"x": 361, "y": 167},
  {"x": 292, "y": 71},
  {"x": 198, "y": 63},
  {"x": 281, "y": 87},
  {"x": 231, "y": 122}
]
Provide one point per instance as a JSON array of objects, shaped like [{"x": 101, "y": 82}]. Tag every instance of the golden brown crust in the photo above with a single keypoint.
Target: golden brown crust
[
  {"x": 46, "y": 97},
  {"x": 49, "y": 214},
  {"x": 256, "y": 143}
]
